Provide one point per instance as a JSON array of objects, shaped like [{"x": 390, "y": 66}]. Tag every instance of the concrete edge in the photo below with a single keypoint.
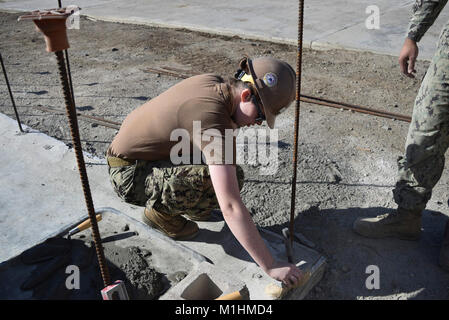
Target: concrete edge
[
  {"x": 317, "y": 271},
  {"x": 246, "y": 36},
  {"x": 309, "y": 44},
  {"x": 199, "y": 258},
  {"x": 193, "y": 254},
  {"x": 12, "y": 10}
]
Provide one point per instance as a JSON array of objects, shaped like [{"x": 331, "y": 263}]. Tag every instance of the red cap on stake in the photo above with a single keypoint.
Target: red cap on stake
[{"x": 52, "y": 23}]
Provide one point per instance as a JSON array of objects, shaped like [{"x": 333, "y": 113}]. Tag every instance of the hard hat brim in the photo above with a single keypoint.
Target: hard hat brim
[{"x": 259, "y": 86}]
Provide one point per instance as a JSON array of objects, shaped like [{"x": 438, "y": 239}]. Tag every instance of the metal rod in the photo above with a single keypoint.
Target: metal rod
[
  {"x": 315, "y": 100},
  {"x": 297, "y": 112},
  {"x": 10, "y": 94},
  {"x": 97, "y": 120},
  {"x": 342, "y": 105},
  {"x": 73, "y": 123},
  {"x": 167, "y": 73},
  {"x": 66, "y": 53}
]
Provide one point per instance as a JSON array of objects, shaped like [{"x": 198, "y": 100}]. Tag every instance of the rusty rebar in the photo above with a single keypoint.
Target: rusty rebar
[
  {"x": 10, "y": 94},
  {"x": 360, "y": 109},
  {"x": 69, "y": 73},
  {"x": 100, "y": 121},
  {"x": 73, "y": 123},
  {"x": 297, "y": 113},
  {"x": 310, "y": 99}
]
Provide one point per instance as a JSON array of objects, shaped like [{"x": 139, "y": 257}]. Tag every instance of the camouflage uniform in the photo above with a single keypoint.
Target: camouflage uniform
[
  {"x": 175, "y": 190},
  {"x": 428, "y": 136}
]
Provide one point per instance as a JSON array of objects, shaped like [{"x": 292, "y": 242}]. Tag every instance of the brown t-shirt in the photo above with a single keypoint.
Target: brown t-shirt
[{"x": 197, "y": 110}]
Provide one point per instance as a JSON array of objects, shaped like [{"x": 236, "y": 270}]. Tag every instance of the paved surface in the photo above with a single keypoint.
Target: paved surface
[
  {"x": 327, "y": 23},
  {"x": 41, "y": 188}
]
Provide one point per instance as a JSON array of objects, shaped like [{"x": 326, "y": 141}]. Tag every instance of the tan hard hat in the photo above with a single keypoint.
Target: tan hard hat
[{"x": 274, "y": 81}]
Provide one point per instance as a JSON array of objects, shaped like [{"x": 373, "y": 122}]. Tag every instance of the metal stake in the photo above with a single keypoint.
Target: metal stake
[
  {"x": 10, "y": 94},
  {"x": 73, "y": 123},
  {"x": 66, "y": 53},
  {"x": 297, "y": 111}
]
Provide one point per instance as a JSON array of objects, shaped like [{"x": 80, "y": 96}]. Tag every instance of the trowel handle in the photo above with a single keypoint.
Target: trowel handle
[
  {"x": 83, "y": 225},
  {"x": 231, "y": 296}
]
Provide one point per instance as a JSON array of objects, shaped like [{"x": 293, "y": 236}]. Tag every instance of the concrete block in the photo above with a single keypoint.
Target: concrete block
[
  {"x": 206, "y": 282},
  {"x": 217, "y": 243}
]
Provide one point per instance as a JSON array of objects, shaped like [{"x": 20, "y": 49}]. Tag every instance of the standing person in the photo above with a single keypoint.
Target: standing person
[
  {"x": 427, "y": 140},
  {"x": 140, "y": 156}
]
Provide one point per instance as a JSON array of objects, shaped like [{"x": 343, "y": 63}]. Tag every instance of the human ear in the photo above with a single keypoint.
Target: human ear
[{"x": 245, "y": 96}]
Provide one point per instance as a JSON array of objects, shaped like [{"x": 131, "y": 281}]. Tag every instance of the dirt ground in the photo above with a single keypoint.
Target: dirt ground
[{"x": 109, "y": 62}]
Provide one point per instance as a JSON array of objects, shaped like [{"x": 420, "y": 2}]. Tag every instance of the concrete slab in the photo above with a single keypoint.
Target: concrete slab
[
  {"x": 41, "y": 188},
  {"x": 388, "y": 39},
  {"x": 327, "y": 23}
]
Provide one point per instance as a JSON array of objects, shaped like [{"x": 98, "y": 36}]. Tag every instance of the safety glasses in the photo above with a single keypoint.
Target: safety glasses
[
  {"x": 256, "y": 101},
  {"x": 260, "y": 115}
]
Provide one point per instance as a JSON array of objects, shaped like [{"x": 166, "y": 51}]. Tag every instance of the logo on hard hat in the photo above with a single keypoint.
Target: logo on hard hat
[{"x": 270, "y": 79}]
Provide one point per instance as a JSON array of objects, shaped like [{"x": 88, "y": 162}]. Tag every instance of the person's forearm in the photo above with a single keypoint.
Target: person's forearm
[
  {"x": 245, "y": 231},
  {"x": 425, "y": 13}
]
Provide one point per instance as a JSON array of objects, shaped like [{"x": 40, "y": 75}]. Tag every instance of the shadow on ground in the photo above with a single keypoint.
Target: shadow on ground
[{"x": 407, "y": 269}]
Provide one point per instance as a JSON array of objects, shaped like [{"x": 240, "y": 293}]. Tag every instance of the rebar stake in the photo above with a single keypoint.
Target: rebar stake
[
  {"x": 10, "y": 94},
  {"x": 69, "y": 73},
  {"x": 73, "y": 123},
  {"x": 297, "y": 112},
  {"x": 52, "y": 24}
]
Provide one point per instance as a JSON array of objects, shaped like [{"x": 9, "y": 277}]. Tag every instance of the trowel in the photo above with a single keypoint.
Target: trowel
[{"x": 82, "y": 226}]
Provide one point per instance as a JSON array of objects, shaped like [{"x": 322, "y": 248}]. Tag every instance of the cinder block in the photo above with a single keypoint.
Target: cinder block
[{"x": 206, "y": 282}]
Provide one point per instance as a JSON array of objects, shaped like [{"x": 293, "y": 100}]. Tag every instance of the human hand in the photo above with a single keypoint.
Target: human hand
[
  {"x": 287, "y": 273},
  {"x": 407, "y": 57}
]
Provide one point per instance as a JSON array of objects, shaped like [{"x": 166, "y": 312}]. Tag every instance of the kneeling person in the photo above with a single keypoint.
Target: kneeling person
[{"x": 142, "y": 173}]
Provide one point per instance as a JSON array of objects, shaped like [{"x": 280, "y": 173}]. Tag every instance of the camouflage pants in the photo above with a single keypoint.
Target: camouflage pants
[
  {"x": 182, "y": 189},
  {"x": 428, "y": 135}
]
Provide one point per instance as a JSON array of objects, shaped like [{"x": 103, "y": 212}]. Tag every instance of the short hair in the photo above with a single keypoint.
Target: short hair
[{"x": 238, "y": 84}]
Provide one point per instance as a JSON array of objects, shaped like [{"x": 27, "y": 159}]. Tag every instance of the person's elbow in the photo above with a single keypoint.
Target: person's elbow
[{"x": 232, "y": 210}]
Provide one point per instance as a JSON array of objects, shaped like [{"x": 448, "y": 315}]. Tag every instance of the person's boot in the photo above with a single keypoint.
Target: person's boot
[
  {"x": 444, "y": 253},
  {"x": 203, "y": 216},
  {"x": 402, "y": 224},
  {"x": 175, "y": 227}
]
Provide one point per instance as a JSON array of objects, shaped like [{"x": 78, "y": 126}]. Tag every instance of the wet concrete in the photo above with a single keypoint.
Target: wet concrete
[
  {"x": 148, "y": 265},
  {"x": 40, "y": 281}
]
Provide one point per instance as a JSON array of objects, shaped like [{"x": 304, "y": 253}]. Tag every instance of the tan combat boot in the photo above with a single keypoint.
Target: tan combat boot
[
  {"x": 203, "y": 216},
  {"x": 402, "y": 224},
  {"x": 175, "y": 227},
  {"x": 444, "y": 253}
]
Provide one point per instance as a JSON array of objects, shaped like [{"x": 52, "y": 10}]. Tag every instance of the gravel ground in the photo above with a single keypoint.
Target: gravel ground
[{"x": 346, "y": 160}]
